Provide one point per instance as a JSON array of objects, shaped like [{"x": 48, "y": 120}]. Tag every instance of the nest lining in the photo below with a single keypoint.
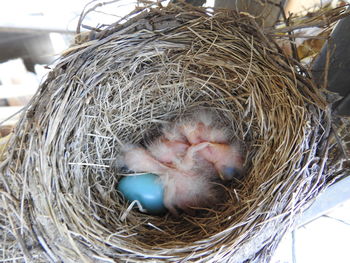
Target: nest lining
[{"x": 120, "y": 88}]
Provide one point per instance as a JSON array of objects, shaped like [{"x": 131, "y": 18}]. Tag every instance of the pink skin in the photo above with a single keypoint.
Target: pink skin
[
  {"x": 183, "y": 188},
  {"x": 139, "y": 160},
  {"x": 187, "y": 158},
  {"x": 196, "y": 129},
  {"x": 199, "y": 132},
  {"x": 226, "y": 158},
  {"x": 201, "y": 128},
  {"x": 186, "y": 191},
  {"x": 172, "y": 133},
  {"x": 168, "y": 152},
  {"x": 194, "y": 133}
]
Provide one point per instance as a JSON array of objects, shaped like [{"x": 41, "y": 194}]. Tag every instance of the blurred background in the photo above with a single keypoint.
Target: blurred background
[
  {"x": 32, "y": 36},
  {"x": 34, "y": 33}
]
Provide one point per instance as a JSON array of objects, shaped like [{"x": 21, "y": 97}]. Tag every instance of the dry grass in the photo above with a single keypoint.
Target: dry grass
[{"x": 58, "y": 185}]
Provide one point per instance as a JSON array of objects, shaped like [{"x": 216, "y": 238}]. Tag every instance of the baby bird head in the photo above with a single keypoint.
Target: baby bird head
[
  {"x": 227, "y": 173},
  {"x": 226, "y": 158}
]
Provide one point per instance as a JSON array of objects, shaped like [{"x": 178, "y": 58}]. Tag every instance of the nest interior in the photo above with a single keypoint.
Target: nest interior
[{"x": 59, "y": 185}]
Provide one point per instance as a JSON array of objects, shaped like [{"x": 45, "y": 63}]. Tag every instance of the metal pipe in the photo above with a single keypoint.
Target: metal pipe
[{"x": 337, "y": 48}]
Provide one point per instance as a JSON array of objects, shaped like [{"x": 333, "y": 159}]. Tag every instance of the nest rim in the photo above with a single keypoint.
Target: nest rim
[{"x": 86, "y": 220}]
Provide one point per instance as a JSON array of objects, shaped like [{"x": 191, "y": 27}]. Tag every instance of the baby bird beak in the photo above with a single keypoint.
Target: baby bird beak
[
  {"x": 226, "y": 158},
  {"x": 228, "y": 173}
]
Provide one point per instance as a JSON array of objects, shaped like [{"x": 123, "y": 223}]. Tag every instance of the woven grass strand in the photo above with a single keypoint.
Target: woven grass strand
[{"x": 58, "y": 184}]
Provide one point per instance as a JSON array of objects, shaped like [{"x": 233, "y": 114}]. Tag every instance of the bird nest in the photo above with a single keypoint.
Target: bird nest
[{"x": 119, "y": 85}]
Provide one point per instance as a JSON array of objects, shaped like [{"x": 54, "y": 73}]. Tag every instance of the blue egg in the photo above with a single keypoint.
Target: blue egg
[{"x": 147, "y": 189}]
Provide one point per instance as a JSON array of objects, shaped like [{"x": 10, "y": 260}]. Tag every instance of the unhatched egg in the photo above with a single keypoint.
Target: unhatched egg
[{"x": 147, "y": 189}]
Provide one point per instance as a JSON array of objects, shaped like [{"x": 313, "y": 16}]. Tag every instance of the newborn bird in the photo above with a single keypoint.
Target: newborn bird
[
  {"x": 168, "y": 151},
  {"x": 226, "y": 158},
  {"x": 198, "y": 128},
  {"x": 185, "y": 185},
  {"x": 189, "y": 157},
  {"x": 210, "y": 141},
  {"x": 139, "y": 159}
]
